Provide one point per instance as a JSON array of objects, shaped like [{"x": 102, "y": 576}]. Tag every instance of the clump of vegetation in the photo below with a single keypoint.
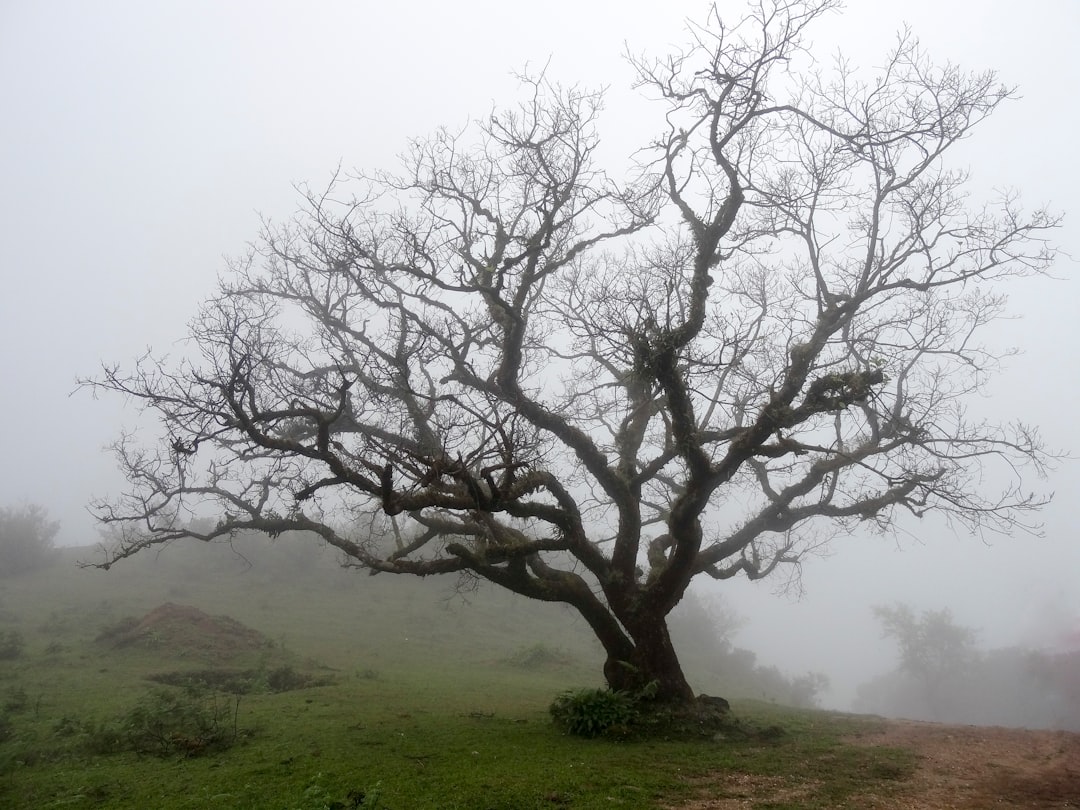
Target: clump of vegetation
[
  {"x": 539, "y": 655},
  {"x": 69, "y": 726},
  {"x": 287, "y": 679},
  {"x": 163, "y": 723},
  {"x": 26, "y": 539},
  {"x": 625, "y": 714},
  {"x": 593, "y": 712},
  {"x": 242, "y": 681},
  {"x": 168, "y": 723}
]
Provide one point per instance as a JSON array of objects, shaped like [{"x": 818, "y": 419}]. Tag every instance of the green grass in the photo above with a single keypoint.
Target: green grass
[{"x": 433, "y": 703}]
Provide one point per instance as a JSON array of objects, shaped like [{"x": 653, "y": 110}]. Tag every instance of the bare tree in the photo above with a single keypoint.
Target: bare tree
[
  {"x": 591, "y": 392},
  {"x": 934, "y": 650}
]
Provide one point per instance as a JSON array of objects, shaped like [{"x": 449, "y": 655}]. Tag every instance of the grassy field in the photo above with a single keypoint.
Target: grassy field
[{"x": 416, "y": 696}]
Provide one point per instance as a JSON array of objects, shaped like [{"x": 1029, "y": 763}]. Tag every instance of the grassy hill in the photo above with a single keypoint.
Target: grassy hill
[{"x": 329, "y": 688}]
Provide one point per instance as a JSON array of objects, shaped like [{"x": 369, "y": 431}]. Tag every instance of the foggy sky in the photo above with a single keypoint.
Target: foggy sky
[{"x": 140, "y": 143}]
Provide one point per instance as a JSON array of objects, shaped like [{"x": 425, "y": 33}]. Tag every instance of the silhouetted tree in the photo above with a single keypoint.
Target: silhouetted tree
[
  {"x": 592, "y": 392},
  {"x": 26, "y": 538},
  {"x": 934, "y": 650},
  {"x": 941, "y": 675}
]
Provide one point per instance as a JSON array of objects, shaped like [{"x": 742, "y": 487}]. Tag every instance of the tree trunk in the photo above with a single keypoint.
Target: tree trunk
[
  {"x": 652, "y": 661},
  {"x": 639, "y": 652}
]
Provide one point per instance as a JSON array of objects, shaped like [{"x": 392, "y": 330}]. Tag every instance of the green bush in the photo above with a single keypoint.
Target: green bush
[
  {"x": 69, "y": 726},
  {"x": 592, "y": 712},
  {"x": 168, "y": 723}
]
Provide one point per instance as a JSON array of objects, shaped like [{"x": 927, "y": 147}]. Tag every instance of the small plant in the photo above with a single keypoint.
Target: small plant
[
  {"x": 169, "y": 723},
  {"x": 592, "y": 712},
  {"x": 317, "y": 796}
]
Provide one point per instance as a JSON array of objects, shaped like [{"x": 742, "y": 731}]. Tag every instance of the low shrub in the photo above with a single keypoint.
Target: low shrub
[
  {"x": 539, "y": 656},
  {"x": 287, "y": 679},
  {"x": 638, "y": 715},
  {"x": 592, "y": 712},
  {"x": 68, "y": 726},
  {"x": 168, "y": 723},
  {"x": 242, "y": 681}
]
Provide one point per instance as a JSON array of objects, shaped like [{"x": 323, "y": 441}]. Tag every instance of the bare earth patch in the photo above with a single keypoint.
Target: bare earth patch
[
  {"x": 184, "y": 631},
  {"x": 959, "y": 768}
]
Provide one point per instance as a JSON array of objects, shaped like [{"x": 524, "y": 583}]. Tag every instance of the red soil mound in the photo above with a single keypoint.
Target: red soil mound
[{"x": 181, "y": 630}]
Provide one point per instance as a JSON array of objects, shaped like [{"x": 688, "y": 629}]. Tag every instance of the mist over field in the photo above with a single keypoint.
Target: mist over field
[
  {"x": 144, "y": 143},
  {"x": 297, "y": 593}
]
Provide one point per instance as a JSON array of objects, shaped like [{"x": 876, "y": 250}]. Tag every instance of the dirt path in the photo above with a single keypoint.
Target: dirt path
[
  {"x": 975, "y": 767},
  {"x": 959, "y": 768}
]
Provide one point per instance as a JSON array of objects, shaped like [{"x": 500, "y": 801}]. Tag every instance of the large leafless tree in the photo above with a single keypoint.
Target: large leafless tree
[{"x": 592, "y": 392}]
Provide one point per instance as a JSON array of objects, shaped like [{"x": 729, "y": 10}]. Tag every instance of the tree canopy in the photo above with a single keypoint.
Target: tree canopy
[
  {"x": 26, "y": 538},
  {"x": 501, "y": 361}
]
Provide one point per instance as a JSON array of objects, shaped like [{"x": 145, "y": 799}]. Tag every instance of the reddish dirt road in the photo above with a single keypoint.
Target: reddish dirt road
[
  {"x": 959, "y": 768},
  {"x": 975, "y": 767}
]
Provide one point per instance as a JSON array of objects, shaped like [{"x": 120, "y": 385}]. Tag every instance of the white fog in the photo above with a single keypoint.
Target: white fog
[{"x": 142, "y": 144}]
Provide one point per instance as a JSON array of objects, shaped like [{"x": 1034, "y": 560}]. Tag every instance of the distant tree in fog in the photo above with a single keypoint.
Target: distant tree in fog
[
  {"x": 934, "y": 650},
  {"x": 941, "y": 675},
  {"x": 591, "y": 391},
  {"x": 26, "y": 538}
]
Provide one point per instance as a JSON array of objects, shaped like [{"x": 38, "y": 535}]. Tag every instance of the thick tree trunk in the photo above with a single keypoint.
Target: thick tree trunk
[
  {"x": 652, "y": 661},
  {"x": 639, "y": 652}
]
